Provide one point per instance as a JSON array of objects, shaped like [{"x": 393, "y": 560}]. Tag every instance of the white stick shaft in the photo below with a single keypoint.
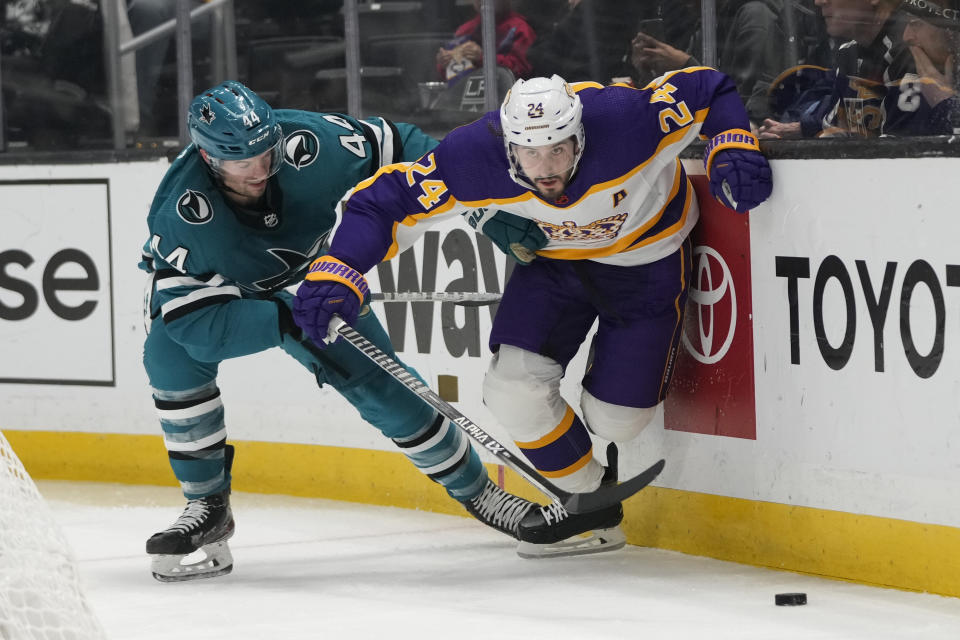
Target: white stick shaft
[
  {"x": 338, "y": 327},
  {"x": 456, "y": 297}
]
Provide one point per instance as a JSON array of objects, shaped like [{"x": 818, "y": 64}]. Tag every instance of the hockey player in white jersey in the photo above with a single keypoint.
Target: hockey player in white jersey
[{"x": 607, "y": 210}]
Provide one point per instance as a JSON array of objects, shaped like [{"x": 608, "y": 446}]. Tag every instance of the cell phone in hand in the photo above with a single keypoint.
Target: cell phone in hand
[{"x": 653, "y": 28}]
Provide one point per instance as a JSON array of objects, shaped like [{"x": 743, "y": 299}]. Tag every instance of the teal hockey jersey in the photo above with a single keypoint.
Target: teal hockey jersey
[{"x": 215, "y": 266}]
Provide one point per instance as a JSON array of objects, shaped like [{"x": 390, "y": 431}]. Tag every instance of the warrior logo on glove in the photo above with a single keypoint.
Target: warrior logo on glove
[
  {"x": 740, "y": 176},
  {"x": 328, "y": 268},
  {"x": 330, "y": 287}
]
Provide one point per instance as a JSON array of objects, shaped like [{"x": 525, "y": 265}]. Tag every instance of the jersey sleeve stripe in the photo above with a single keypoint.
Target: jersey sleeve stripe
[
  {"x": 577, "y": 86},
  {"x": 656, "y": 82},
  {"x": 394, "y": 245},
  {"x": 387, "y": 135},
  {"x": 395, "y": 143},
  {"x": 181, "y": 306},
  {"x": 416, "y": 218},
  {"x": 388, "y": 168},
  {"x": 374, "y": 137},
  {"x": 171, "y": 282}
]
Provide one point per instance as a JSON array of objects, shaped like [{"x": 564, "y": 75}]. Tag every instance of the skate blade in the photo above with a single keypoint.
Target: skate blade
[
  {"x": 597, "y": 541},
  {"x": 217, "y": 561}
]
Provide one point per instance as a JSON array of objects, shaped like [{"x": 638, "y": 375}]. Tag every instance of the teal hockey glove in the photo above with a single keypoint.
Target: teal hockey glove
[{"x": 515, "y": 236}]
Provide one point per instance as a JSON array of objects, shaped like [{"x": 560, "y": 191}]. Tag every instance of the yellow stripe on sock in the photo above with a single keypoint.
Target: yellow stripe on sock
[
  {"x": 566, "y": 471},
  {"x": 565, "y": 423}
]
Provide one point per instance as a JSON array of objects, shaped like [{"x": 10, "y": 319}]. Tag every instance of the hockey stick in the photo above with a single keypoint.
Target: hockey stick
[
  {"x": 572, "y": 502},
  {"x": 464, "y": 298}
]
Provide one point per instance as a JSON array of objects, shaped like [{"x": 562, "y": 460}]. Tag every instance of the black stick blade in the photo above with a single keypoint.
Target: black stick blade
[{"x": 609, "y": 496}]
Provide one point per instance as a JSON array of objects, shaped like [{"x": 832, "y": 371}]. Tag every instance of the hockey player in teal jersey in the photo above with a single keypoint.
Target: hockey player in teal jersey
[{"x": 240, "y": 214}]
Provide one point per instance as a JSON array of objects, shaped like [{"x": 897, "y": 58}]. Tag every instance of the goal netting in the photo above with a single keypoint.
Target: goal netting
[{"x": 40, "y": 596}]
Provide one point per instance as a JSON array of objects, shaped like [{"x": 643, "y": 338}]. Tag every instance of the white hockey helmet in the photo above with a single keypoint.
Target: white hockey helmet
[{"x": 538, "y": 112}]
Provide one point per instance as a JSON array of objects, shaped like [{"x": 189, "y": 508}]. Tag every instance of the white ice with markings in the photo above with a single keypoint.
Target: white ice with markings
[{"x": 308, "y": 568}]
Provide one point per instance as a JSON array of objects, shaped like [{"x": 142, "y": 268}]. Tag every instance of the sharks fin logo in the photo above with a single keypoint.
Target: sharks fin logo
[
  {"x": 301, "y": 148},
  {"x": 194, "y": 207}
]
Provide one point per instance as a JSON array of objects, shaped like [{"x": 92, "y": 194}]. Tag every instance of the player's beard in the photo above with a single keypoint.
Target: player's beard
[
  {"x": 245, "y": 193},
  {"x": 555, "y": 186}
]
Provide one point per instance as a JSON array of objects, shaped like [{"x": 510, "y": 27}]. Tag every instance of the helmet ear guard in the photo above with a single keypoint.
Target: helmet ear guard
[
  {"x": 231, "y": 122},
  {"x": 538, "y": 112}
]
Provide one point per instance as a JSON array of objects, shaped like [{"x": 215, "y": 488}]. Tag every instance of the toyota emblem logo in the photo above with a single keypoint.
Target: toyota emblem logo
[{"x": 712, "y": 307}]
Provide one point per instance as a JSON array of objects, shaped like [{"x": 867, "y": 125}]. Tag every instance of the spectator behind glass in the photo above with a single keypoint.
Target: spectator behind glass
[
  {"x": 679, "y": 24},
  {"x": 463, "y": 54},
  {"x": 926, "y": 102},
  {"x": 802, "y": 87},
  {"x": 567, "y": 46},
  {"x": 751, "y": 49},
  {"x": 871, "y": 55}
]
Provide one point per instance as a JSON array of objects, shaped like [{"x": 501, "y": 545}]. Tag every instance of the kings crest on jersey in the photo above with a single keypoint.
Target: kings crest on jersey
[
  {"x": 229, "y": 252},
  {"x": 629, "y": 202}
]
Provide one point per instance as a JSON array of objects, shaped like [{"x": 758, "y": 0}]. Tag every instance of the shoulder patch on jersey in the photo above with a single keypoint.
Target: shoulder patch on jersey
[
  {"x": 194, "y": 207},
  {"x": 301, "y": 148}
]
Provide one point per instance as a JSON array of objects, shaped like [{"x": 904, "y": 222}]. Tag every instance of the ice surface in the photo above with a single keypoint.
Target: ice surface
[{"x": 308, "y": 568}]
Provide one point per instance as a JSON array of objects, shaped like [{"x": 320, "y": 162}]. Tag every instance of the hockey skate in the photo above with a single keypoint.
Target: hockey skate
[
  {"x": 496, "y": 508},
  {"x": 207, "y": 524},
  {"x": 551, "y": 531}
]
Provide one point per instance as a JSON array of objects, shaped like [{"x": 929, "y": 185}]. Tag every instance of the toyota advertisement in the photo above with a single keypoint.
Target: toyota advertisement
[{"x": 712, "y": 389}]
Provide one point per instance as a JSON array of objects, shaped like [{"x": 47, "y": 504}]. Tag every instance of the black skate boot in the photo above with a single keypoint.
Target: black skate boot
[
  {"x": 496, "y": 508},
  {"x": 551, "y": 531},
  {"x": 206, "y": 523}
]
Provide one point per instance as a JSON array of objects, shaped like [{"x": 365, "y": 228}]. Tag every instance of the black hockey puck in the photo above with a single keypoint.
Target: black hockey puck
[{"x": 790, "y": 599}]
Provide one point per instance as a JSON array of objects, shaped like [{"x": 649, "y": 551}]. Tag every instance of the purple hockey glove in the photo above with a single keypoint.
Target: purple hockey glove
[
  {"x": 330, "y": 287},
  {"x": 740, "y": 176}
]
